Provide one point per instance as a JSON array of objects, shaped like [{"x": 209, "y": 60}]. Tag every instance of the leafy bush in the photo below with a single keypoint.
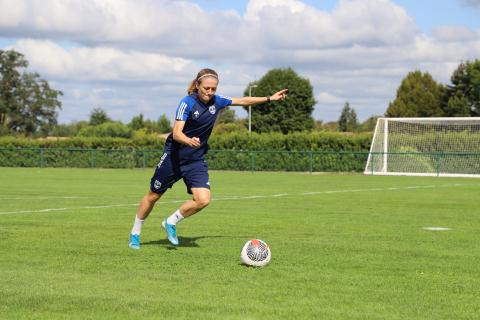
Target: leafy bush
[
  {"x": 237, "y": 140},
  {"x": 300, "y": 141},
  {"x": 223, "y": 128},
  {"x": 146, "y": 142},
  {"x": 107, "y": 129}
]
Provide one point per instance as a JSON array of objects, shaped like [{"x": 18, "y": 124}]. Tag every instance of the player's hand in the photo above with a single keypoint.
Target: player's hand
[
  {"x": 280, "y": 95},
  {"x": 194, "y": 142}
]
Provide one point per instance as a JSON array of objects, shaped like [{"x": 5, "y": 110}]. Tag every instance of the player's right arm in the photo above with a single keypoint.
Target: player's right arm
[
  {"x": 180, "y": 137},
  {"x": 181, "y": 116}
]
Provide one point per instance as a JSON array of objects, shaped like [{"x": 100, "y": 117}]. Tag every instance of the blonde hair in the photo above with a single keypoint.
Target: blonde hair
[{"x": 202, "y": 74}]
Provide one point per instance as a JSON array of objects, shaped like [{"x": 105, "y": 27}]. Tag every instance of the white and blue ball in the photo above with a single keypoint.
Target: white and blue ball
[{"x": 255, "y": 253}]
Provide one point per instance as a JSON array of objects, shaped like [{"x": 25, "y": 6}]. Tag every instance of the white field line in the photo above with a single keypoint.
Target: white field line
[
  {"x": 436, "y": 228},
  {"x": 247, "y": 197},
  {"x": 41, "y": 198}
]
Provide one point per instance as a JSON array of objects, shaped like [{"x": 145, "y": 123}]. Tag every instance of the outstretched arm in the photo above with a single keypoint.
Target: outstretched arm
[{"x": 249, "y": 101}]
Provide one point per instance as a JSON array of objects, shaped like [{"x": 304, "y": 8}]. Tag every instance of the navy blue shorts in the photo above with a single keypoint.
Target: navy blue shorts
[{"x": 167, "y": 172}]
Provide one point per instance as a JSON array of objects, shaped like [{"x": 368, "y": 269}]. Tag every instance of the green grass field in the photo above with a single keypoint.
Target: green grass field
[{"x": 343, "y": 247}]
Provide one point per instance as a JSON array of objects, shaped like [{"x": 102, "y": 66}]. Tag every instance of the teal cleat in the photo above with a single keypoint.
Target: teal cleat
[
  {"x": 134, "y": 241},
  {"x": 171, "y": 230}
]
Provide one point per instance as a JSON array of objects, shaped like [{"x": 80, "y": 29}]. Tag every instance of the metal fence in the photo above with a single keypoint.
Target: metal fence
[
  {"x": 241, "y": 160},
  {"x": 248, "y": 160}
]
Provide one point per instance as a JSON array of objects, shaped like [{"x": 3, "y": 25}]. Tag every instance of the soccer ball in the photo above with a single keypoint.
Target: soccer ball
[{"x": 255, "y": 253}]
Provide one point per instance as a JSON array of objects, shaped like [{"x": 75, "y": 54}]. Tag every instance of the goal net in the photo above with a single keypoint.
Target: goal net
[{"x": 447, "y": 147}]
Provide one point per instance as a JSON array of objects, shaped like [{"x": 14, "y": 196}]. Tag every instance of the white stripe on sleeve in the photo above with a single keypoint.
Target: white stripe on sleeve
[{"x": 181, "y": 111}]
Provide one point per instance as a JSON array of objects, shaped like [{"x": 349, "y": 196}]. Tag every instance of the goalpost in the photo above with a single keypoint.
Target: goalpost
[{"x": 447, "y": 147}]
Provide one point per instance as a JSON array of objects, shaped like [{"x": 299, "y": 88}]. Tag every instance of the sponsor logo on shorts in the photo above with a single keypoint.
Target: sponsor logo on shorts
[
  {"x": 161, "y": 160},
  {"x": 212, "y": 109},
  {"x": 157, "y": 184},
  {"x": 208, "y": 183}
]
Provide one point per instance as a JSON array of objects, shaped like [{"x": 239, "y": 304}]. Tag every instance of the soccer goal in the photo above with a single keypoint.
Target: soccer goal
[{"x": 448, "y": 147}]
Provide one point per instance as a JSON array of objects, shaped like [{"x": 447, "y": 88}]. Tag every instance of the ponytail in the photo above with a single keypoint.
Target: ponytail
[{"x": 192, "y": 87}]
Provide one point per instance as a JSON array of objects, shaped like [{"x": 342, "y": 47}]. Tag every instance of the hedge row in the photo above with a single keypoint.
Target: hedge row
[
  {"x": 287, "y": 161},
  {"x": 83, "y": 143},
  {"x": 78, "y": 158},
  {"x": 231, "y": 151},
  {"x": 320, "y": 141},
  {"x": 217, "y": 159}
]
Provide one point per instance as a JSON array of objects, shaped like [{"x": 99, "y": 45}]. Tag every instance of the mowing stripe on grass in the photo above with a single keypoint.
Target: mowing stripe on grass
[{"x": 250, "y": 197}]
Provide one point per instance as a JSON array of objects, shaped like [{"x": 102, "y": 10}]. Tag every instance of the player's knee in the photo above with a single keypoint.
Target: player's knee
[
  {"x": 202, "y": 202},
  {"x": 152, "y": 197}
]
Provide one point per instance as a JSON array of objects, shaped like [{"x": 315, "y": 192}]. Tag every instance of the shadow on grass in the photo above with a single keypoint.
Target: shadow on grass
[{"x": 183, "y": 242}]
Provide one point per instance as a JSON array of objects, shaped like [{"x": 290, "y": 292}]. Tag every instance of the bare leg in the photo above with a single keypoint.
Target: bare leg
[
  {"x": 144, "y": 209},
  {"x": 146, "y": 205},
  {"x": 201, "y": 199}
]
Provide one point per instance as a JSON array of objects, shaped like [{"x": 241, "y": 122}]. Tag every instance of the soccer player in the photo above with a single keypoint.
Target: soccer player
[{"x": 184, "y": 152}]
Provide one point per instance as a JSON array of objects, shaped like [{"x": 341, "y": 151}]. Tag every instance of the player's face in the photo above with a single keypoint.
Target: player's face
[{"x": 207, "y": 88}]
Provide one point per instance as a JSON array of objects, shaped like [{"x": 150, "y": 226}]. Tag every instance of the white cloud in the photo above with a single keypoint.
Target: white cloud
[
  {"x": 282, "y": 25},
  {"x": 255, "y": 8},
  {"x": 185, "y": 29},
  {"x": 102, "y": 64},
  {"x": 11, "y": 15},
  {"x": 125, "y": 83},
  {"x": 328, "y": 98},
  {"x": 166, "y": 26},
  {"x": 455, "y": 34}
]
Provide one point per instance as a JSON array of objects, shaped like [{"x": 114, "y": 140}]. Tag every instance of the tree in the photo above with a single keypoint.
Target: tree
[
  {"x": 137, "y": 122},
  {"x": 348, "y": 119},
  {"x": 28, "y": 105},
  {"x": 289, "y": 115},
  {"x": 464, "y": 93},
  {"x": 458, "y": 106},
  {"x": 227, "y": 115},
  {"x": 150, "y": 126},
  {"x": 164, "y": 125},
  {"x": 418, "y": 96},
  {"x": 98, "y": 116},
  {"x": 369, "y": 124}
]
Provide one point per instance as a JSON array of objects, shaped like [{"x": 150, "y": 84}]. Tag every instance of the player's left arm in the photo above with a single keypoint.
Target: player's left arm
[{"x": 249, "y": 101}]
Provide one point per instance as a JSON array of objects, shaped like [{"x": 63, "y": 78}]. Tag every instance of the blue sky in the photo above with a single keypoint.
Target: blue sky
[
  {"x": 428, "y": 13},
  {"x": 137, "y": 56}
]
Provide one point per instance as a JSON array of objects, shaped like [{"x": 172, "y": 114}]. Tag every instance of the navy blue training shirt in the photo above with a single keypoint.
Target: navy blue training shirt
[{"x": 199, "y": 120}]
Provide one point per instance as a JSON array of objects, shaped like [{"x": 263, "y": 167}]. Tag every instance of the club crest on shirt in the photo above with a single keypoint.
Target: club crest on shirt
[
  {"x": 196, "y": 114},
  {"x": 212, "y": 109}
]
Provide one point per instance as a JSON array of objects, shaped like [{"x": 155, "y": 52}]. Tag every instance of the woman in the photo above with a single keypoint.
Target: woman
[{"x": 184, "y": 152}]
